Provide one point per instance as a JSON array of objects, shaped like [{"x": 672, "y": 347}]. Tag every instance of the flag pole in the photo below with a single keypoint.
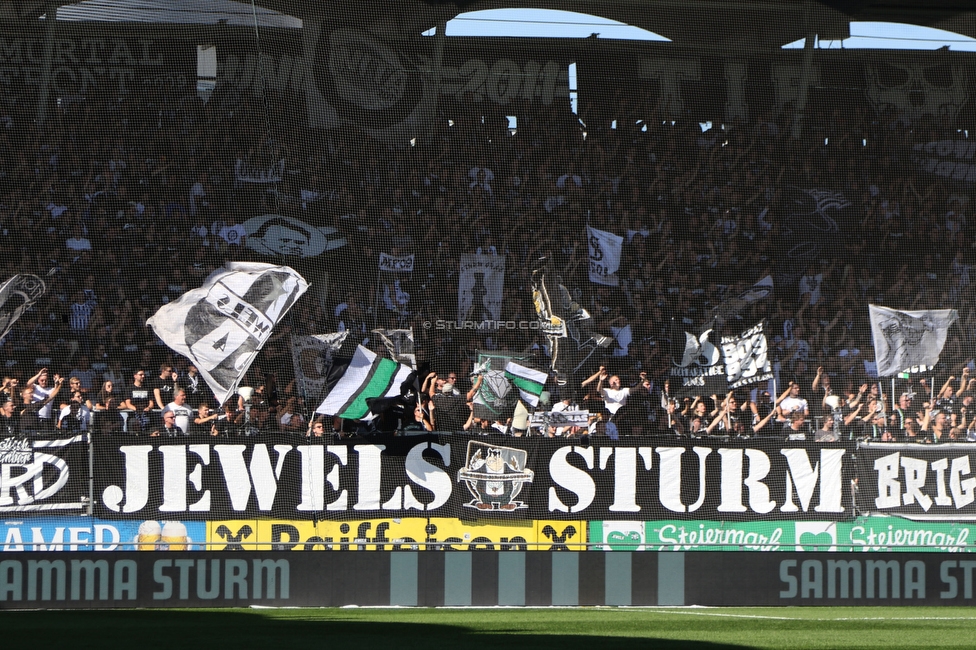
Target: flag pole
[{"x": 893, "y": 404}]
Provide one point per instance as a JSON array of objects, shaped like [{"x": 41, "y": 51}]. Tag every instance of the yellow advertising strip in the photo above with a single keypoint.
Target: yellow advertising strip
[{"x": 395, "y": 534}]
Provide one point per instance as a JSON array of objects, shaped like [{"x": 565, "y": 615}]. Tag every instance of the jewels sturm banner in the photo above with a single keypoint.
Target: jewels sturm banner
[{"x": 454, "y": 476}]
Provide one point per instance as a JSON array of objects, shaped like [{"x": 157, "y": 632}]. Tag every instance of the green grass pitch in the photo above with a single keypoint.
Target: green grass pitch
[{"x": 505, "y": 629}]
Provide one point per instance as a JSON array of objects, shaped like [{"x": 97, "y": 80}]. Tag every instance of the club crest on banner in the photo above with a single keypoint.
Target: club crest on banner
[{"x": 495, "y": 476}]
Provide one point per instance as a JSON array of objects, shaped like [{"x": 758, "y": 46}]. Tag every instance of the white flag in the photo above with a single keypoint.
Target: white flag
[
  {"x": 903, "y": 339},
  {"x": 481, "y": 285},
  {"x": 17, "y": 295},
  {"x": 395, "y": 264},
  {"x": 604, "y": 256},
  {"x": 222, "y": 325}
]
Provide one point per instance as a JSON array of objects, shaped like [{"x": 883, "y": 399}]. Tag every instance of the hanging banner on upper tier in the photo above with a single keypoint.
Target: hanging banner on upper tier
[
  {"x": 453, "y": 476},
  {"x": 917, "y": 480},
  {"x": 43, "y": 475}
]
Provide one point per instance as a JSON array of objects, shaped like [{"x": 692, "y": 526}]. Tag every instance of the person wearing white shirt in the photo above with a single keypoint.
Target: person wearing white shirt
[
  {"x": 791, "y": 403},
  {"x": 180, "y": 409}
]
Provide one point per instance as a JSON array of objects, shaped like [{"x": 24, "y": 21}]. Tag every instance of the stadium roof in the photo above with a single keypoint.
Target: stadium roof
[{"x": 751, "y": 25}]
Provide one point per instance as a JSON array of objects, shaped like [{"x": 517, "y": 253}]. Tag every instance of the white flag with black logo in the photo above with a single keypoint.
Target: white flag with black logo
[
  {"x": 481, "y": 285},
  {"x": 16, "y": 296},
  {"x": 222, "y": 325},
  {"x": 903, "y": 339},
  {"x": 604, "y": 256}
]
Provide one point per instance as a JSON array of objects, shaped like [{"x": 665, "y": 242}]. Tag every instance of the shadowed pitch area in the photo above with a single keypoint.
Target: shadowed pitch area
[{"x": 562, "y": 629}]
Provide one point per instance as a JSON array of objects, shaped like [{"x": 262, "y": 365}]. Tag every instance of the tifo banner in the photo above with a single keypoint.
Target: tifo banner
[
  {"x": 245, "y": 172},
  {"x": 274, "y": 235},
  {"x": 947, "y": 158},
  {"x": 701, "y": 367},
  {"x": 222, "y": 325},
  {"x": 931, "y": 481},
  {"x": 396, "y": 264},
  {"x": 45, "y": 533},
  {"x": 903, "y": 339},
  {"x": 747, "y": 358},
  {"x": 456, "y": 476},
  {"x": 358, "y": 79},
  {"x": 696, "y": 364},
  {"x": 391, "y": 534},
  {"x": 480, "y": 288},
  {"x": 604, "y": 255},
  {"x": 43, "y": 475}
]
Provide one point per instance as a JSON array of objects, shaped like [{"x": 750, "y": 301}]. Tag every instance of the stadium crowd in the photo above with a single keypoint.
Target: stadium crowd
[{"x": 122, "y": 205}]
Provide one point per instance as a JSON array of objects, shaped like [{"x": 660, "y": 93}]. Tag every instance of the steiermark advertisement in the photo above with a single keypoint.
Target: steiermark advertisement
[{"x": 864, "y": 534}]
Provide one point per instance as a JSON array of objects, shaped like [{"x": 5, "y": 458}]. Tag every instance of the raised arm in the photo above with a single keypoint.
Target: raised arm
[
  {"x": 601, "y": 374},
  {"x": 474, "y": 388}
]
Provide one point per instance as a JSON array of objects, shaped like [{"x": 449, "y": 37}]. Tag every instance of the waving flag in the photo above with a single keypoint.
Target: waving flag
[
  {"x": 368, "y": 376},
  {"x": 222, "y": 325},
  {"x": 528, "y": 381},
  {"x": 604, "y": 256},
  {"x": 17, "y": 295},
  {"x": 903, "y": 339},
  {"x": 313, "y": 357},
  {"x": 496, "y": 398}
]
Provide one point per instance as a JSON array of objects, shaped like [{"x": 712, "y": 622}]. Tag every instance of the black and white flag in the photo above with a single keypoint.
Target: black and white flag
[
  {"x": 17, "y": 295},
  {"x": 399, "y": 345},
  {"x": 604, "y": 255},
  {"x": 480, "y": 288},
  {"x": 734, "y": 306},
  {"x": 244, "y": 172},
  {"x": 697, "y": 366},
  {"x": 314, "y": 357},
  {"x": 356, "y": 78},
  {"x": 903, "y": 339},
  {"x": 747, "y": 358},
  {"x": 275, "y": 235},
  {"x": 396, "y": 264},
  {"x": 222, "y": 325}
]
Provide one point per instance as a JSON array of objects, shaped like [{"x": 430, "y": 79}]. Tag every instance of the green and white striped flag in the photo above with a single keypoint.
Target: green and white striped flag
[
  {"x": 528, "y": 381},
  {"x": 367, "y": 376}
]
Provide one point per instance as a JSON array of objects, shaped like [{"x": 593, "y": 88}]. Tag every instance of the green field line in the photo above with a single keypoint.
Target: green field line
[{"x": 503, "y": 628}]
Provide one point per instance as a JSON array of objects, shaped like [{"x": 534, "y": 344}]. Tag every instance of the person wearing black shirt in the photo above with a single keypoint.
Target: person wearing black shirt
[
  {"x": 228, "y": 424},
  {"x": 139, "y": 400},
  {"x": 8, "y": 419},
  {"x": 10, "y": 390},
  {"x": 205, "y": 422},
  {"x": 450, "y": 410},
  {"x": 164, "y": 386}
]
